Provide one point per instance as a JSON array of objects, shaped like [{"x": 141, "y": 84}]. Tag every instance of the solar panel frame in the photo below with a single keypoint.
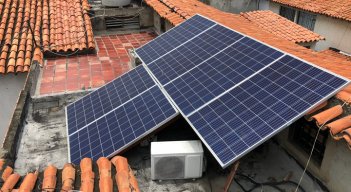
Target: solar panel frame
[
  {"x": 130, "y": 100},
  {"x": 272, "y": 133}
]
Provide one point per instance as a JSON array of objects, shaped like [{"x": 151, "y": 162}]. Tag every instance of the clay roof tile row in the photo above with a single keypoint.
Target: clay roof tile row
[
  {"x": 336, "y": 119},
  {"x": 281, "y": 26},
  {"x": 337, "y": 55},
  {"x": 125, "y": 178},
  {"x": 27, "y": 27}
]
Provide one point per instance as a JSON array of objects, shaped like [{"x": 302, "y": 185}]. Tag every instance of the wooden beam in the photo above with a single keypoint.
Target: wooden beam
[{"x": 231, "y": 176}]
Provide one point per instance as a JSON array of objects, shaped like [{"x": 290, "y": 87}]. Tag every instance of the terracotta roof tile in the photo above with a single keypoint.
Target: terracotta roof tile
[
  {"x": 281, "y": 26},
  {"x": 26, "y": 28},
  {"x": 28, "y": 182},
  {"x": 344, "y": 96},
  {"x": 105, "y": 180},
  {"x": 87, "y": 175},
  {"x": 69, "y": 24},
  {"x": 49, "y": 179},
  {"x": 337, "y": 55},
  {"x": 340, "y": 9},
  {"x": 68, "y": 177},
  {"x": 337, "y": 126},
  {"x": 10, "y": 182},
  {"x": 125, "y": 178},
  {"x": 238, "y": 23},
  {"x": 327, "y": 115},
  {"x": 6, "y": 173},
  {"x": 340, "y": 128}
]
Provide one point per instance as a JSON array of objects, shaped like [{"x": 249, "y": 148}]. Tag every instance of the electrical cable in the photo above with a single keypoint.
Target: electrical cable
[
  {"x": 311, "y": 153},
  {"x": 271, "y": 184}
]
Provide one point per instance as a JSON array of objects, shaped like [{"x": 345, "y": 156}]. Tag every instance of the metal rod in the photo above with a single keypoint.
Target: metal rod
[{"x": 231, "y": 176}]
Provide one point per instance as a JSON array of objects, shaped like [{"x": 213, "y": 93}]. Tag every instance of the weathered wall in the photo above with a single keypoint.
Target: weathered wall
[
  {"x": 334, "y": 171},
  {"x": 146, "y": 17},
  {"x": 336, "y": 31},
  {"x": 234, "y": 6},
  {"x": 157, "y": 23},
  {"x": 10, "y": 88},
  {"x": 168, "y": 25}
]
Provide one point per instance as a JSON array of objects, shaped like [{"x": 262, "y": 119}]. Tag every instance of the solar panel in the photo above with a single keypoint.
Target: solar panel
[
  {"x": 235, "y": 91},
  {"x": 211, "y": 78},
  {"x": 138, "y": 107},
  {"x": 192, "y": 53},
  {"x": 106, "y": 98},
  {"x": 261, "y": 106},
  {"x": 173, "y": 38}
]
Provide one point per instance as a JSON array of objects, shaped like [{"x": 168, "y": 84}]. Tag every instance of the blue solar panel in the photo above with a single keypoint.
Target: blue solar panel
[
  {"x": 121, "y": 127},
  {"x": 192, "y": 53},
  {"x": 237, "y": 92},
  {"x": 234, "y": 91},
  {"x": 173, "y": 38},
  {"x": 211, "y": 78},
  {"x": 261, "y": 106},
  {"x": 106, "y": 98}
]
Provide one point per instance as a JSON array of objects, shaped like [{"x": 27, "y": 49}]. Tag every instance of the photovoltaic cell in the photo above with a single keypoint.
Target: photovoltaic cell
[
  {"x": 261, "y": 106},
  {"x": 106, "y": 98},
  {"x": 223, "y": 71},
  {"x": 121, "y": 127},
  {"x": 192, "y": 53},
  {"x": 173, "y": 38}
]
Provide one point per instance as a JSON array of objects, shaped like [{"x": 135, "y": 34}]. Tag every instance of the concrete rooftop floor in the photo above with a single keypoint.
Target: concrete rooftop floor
[{"x": 44, "y": 142}]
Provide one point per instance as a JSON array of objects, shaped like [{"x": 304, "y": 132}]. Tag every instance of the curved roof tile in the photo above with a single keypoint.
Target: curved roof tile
[
  {"x": 327, "y": 115},
  {"x": 27, "y": 28},
  {"x": 281, "y": 26},
  {"x": 125, "y": 178}
]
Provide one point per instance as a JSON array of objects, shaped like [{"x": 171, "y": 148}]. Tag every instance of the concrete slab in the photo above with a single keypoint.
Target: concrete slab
[
  {"x": 43, "y": 140},
  {"x": 10, "y": 88}
]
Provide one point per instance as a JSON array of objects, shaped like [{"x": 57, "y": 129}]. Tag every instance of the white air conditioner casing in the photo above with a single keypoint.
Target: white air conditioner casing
[{"x": 176, "y": 160}]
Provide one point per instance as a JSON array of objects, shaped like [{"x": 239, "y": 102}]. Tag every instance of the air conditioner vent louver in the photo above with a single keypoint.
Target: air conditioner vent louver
[{"x": 169, "y": 167}]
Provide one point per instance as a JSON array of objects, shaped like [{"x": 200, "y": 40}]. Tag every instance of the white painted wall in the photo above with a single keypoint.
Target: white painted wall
[
  {"x": 336, "y": 31},
  {"x": 10, "y": 88}
]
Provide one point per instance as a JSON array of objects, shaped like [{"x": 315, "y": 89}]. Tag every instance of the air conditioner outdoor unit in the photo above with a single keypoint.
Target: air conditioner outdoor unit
[{"x": 176, "y": 160}]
